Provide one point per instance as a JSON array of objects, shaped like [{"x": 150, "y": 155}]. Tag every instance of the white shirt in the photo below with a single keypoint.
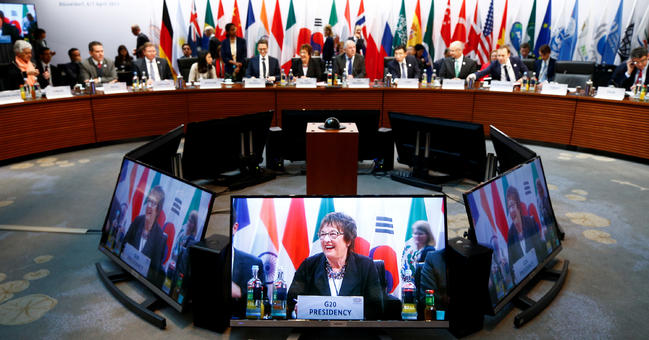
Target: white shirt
[
  {"x": 334, "y": 286},
  {"x": 49, "y": 69},
  {"x": 233, "y": 48},
  {"x": 543, "y": 73},
  {"x": 142, "y": 241},
  {"x": 510, "y": 71},
  {"x": 152, "y": 66},
  {"x": 403, "y": 66},
  {"x": 97, "y": 63},
  {"x": 261, "y": 66}
]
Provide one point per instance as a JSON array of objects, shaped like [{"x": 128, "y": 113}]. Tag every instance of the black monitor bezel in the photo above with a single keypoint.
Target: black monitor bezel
[
  {"x": 150, "y": 146},
  {"x": 508, "y": 145}
]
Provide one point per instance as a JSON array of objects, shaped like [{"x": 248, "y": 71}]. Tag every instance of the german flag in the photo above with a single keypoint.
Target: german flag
[{"x": 166, "y": 37}]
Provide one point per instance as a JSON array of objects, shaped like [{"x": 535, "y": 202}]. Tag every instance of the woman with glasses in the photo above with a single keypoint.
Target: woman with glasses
[
  {"x": 338, "y": 270},
  {"x": 145, "y": 234}
]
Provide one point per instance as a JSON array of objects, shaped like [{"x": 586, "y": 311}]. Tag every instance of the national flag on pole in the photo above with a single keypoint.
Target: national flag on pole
[
  {"x": 600, "y": 29},
  {"x": 613, "y": 38},
  {"x": 401, "y": 33},
  {"x": 263, "y": 31},
  {"x": 326, "y": 206},
  {"x": 641, "y": 35},
  {"x": 277, "y": 33},
  {"x": 336, "y": 27},
  {"x": 585, "y": 37},
  {"x": 471, "y": 46},
  {"x": 194, "y": 38},
  {"x": 178, "y": 41},
  {"x": 386, "y": 41},
  {"x": 360, "y": 21},
  {"x": 416, "y": 34},
  {"x": 460, "y": 28},
  {"x": 245, "y": 232},
  {"x": 296, "y": 236},
  {"x": 530, "y": 31},
  {"x": 154, "y": 30},
  {"x": 503, "y": 28},
  {"x": 317, "y": 35},
  {"x": 251, "y": 31},
  {"x": 545, "y": 32},
  {"x": 221, "y": 21},
  {"x": 429, "y": 46},
  {"x": 559, "y": 28},
  {"x": 383, "y": 247},
  {"x": 236, "y": 20},
  {"x": 486, "y": 40},
  {"x": 373, "y": 57},
  {"x": 365, "y": 224},
  {"x": 417, "y": 213},
  {"x": 445, "y": 34},
  {"x": 289, "y": 48},
  {"x": 346, "y": 32},
  {"x": 515, "y": 36},
  {"x": 209, "y": 21},
  {"x": 265, "y": 244},
  {"x": 570, "y": 39},
  {"x": 625, "y": 44},
  {"x": 306, "y": 26},
  {"x": 167, "y": 36}
]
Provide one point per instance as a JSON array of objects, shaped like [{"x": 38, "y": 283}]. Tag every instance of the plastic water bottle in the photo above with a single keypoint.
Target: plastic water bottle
[
  {"x": 279, "y": 295},
  {"x": 408, "y": 298},
  {"x": 433, "y": 77},
  {"x": 283, "y": 82},
  {"x": 424, "y": 81},
  {"x": 533, "y": 82},
  {"x": 345, "y": 75},
  {"x": 143, "y": 82},
  {"x": 329, "y": 76},
  {"x": 28, "y": 89},
  {"x": 291, "y": 79},
  {"x": 136, "y": 80},
  {"x": 254, "y": 297},
  {"x": 525, "y": 83},
  {"x": 39, "y": 93}
]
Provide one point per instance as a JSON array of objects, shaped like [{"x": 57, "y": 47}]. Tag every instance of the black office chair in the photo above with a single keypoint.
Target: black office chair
[
  {"x": 185, "y": 65},
  {"x": 386, "y": 62},
  {"x": 573, "y": 80},
  {"x": 529, "y": 63},
  {"x": 574, "y": 73},
  {"x": 4, "y": 80},
  {"x": 125, "y": 77}
]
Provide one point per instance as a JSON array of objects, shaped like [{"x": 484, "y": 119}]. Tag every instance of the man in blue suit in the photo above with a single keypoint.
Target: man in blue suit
[
  {"x": 636, "y": 69},
  {"x": 506, "y": 68},
  {"x": 402, "y": 62},
  {"x": 263, "y": 65},
  {"x": 544, "y": 67}
]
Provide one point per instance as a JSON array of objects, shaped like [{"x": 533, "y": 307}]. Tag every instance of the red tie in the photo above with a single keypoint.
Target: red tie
[{"x": 639, "y": 81}]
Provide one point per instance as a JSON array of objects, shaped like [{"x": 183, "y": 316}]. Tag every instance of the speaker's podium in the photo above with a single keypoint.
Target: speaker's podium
[{"x": 331, "y": 160}]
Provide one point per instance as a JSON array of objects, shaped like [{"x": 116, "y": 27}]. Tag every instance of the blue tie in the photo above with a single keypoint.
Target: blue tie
[
  {"x": 349, "y": 66},
  {"x": 507, "y": 73}
]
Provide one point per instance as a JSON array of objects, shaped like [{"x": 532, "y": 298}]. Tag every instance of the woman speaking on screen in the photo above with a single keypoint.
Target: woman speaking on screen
[{"x": 338, "y": 271}]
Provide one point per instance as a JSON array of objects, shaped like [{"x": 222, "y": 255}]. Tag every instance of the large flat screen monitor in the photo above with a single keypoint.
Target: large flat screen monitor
[
  {"x": 510, "y": 153},
  {"x": 159, "y": 153},
  {"x": 20, "y": 15},
  {"x": 309, "y": 261},
  {"x": 152, "y": 221},
  {"x": 512, "y": 215}
]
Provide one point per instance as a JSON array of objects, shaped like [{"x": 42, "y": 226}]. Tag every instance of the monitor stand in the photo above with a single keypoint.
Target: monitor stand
[
  {"x": 145, "y": 309},
  {"x": 532, "y": 308},
  {"x": 365, "y": 334}
]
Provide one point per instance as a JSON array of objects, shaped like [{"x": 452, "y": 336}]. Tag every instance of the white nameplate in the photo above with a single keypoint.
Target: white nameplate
[
  {"x": 210, "y": 84},
  {"x": 408, "y": 83},
  {"x": 255, "y": 83},
  {"x": 115, "y": 88},
  {"x": 611, "y": 93},
  {"x": 10, "y": 97},
  {"x": 136, "y": 259},
  {"x": 501, "y": 86},
  {"x": 163, "y": 85},
  {"x": 525, "y": 265},
  {"x": 453, "y": 84},
  {"x": 555, "y": 89},
  {"x": 359, "y": 83},
  {"x": 313, "y": 307},
  {"x": 53, "y": 92},
  {"x": 306, "y": 83}
]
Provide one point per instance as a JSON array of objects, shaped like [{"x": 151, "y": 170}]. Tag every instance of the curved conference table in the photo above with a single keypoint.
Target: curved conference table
[{"x": 42, "y": 125}]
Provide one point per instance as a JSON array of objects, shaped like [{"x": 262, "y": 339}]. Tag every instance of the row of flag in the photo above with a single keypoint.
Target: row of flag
[{"x": 601, "y": 39}]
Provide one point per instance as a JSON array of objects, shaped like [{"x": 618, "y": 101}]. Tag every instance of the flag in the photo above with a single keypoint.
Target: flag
[
  {"x": 306, "y": 26},
  {"x": 416, "y": 37},
  {"x": 486, "y": 41},
  {"x": 559, "y": 28},
  {"x": 641, "y": 35},
  {"x": 317, "y": 35},
  {"x": 515, "y": 36},
  {"x": 263, "y": 32},
  {"x": 209, "y": 21},
  {"x": 291, "y": 31},
  {"x": 445, "y": 34},
  {"x": 167, "y": 37},
  {"x": 326, "y": 206},
  {"x": 194, "y": 38},
  {"x": 545, "y": 32},
  {"x": 383, "y": 247},
  {"x": 597, "y": 43},
  {"x": 503, "y": 28},
  {"x": 417, "y": 213},
  {"x": 360, "y": 21},
  {"x": 365, "y": 224},
  {"x": 429, "y": 47},
  {"x": 265, "y": 244},
  {"x": 251, "y": 31},
  {"x": 277, "y": 33},
  {"x": 570, "y": 39},
  {"x": 346, "y": 29},
  {"x": 154, "y": 30},
  {"x": 460, "y": 28},
  {"x": 236, "y": 20},
  {"x": 530, "y": 31},
  {"x": 245, "y": 233},
  {"x": 333, "y": 22},
  {"x": 585, "y": 36},
  {"x": 296, "y": 236},
  {"x": 625, "y": 44},
  {"x": 471, "y": 46},
  {"x": 613, "y": 38},
  {"x": 400, "y": 34},
  {"x": 221, "y": 21},
  {"x": 386, "y": 41},
  {"x": 373, "y": 58},
  {"x": 178, "y": 41}
]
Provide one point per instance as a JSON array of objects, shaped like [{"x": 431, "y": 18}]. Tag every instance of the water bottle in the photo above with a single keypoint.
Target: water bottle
[
  {"x": 279, "y": 295},
  {"x": 589, "y": 87},
  {"x": 525, "y": 84},
  {"x": 291, "y": 80},
  {"x": 254, "y": 296},
  {"x": 408, "y": 298},
  {"x": 92, "y": 86},
  {"x": 433, "y": 77},
  {"x": 28, "y": 89},
  {"x": 39, "y": 93},
  {"x": 345, "y": 75},
  {"x": 136, "y": 80},
  {"x": 424, "y": 81},
  {"x": 329, "y": 76},
  {"x": 181, "y": 83},
  {"x": 533, "y": 82},
  {"x": 143, "y": 82},
  {"x": 283, "y": 81},
  {"x": 470, "y": 83},
  {"x": 388, "y": 79}
]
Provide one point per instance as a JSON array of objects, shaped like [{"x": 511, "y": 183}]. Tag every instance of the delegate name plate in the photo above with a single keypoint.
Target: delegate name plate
[
  {"x": 408, "y": 83},
  {"x": 453, "y": 84},
  {"x": 10, "y": 97},
  {"x": 611, "y": 93},
  {"x": 525, "y": 265},
  {"x": 315, "y": 307},
  {"x": 359, "y": 83},
  {"x": 255, "y": 83},
  {"x": 115, "y": 88},
  {"x": 555, "y": 89},
  {"x": 163, "y": 85},
  {"x": 305, "y": 83},
  {"x": 501, "y": 86},
  {"x": 53, "y": 92},
  {"x": 136, "y": 259},
  {"x": 210, "y": 84}
]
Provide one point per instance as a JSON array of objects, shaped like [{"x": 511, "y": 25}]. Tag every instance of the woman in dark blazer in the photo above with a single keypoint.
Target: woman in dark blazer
[
  {"x": 313, "y": 69},
  {"x": 328, "y": 48},
  {"x": 234, "y": 63}
]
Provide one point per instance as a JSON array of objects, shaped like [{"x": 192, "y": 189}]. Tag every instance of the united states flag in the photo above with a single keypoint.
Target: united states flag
[{"x": 484, "y": 46}]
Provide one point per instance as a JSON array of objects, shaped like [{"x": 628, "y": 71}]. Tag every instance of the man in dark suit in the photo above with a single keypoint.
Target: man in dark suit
[
  {"x": 155, "y": 68},
  {"x": 433, "y": 276},
  {"x": 544, "y": 67},
  {"x": 525, "y": 51},
  {"x": 457, "y": 66},
  {"x": 506, "y": 68},
  {"x": 101, "y": 69},
  {"x": 437, "y": 64},
  {"x": 263, "y": 65},
  {"x": 141, "y": 38},
  {"x": 403, "y": 62},
  {"x": 350, "y": 57},
  {"x": 636, "y": 70},
  {"x": 8, "y": 29},
  {"x": 49, "y": 74},
  {"x": 70, "y": 71}
]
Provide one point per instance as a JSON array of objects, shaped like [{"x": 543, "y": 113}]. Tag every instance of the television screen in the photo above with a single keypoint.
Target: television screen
[
  {"x": 294, "y": 123},
  {"x": 512, "y": 215},
  {"x": 159, "y": 152},
  {"x": 22, "y": 16},
  {"x": 152, "y": 221},
  {"x": 456, "y": 148},
  {"x": 510, "y": 153},
  {"x": 215, "y": 146},
  {"x": 292, "y": 255}
]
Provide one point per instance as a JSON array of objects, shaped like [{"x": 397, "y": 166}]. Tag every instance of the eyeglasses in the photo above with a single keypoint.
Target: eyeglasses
[
  {"x": 332, "y": 235},
  {"x": 151, "y": 202}
]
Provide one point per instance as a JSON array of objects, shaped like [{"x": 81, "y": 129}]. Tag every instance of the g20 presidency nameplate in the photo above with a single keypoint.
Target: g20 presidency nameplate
[{"x": 315, "y": 307}]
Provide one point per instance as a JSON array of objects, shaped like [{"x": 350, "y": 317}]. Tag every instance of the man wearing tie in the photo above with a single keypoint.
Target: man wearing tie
[
  {"x": 263, "y": 65},
  {"x": 505, "y": 68},
  {"x": 544, "y": 67},
  {"x": 636, "y": 70},
  {"x": 404, "y": 66},
  {"x": 101, "y": 69},
  {"x": 155, "y": 68},
  {"x": 49, "y": 74},
  {"x": 350, "y": 60},
  {"x": 456, "y": 66}
]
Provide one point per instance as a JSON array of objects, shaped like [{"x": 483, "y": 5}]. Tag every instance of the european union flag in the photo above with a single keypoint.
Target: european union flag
[{"x": 546, "y": 31}]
